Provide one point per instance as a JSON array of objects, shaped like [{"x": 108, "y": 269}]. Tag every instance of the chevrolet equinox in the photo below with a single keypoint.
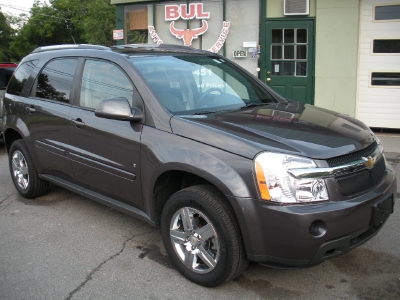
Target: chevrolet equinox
[{"x": 190, "y": 142}]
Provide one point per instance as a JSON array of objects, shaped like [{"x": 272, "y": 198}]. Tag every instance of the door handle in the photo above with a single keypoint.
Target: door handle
[
  {"x": 31, "y": 109},
  {"x": 268, "y": 79},
  {"x": 78, "y": 123}
]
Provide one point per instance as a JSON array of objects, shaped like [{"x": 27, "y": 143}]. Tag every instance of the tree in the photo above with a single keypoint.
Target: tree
[
  {"x": 65, "y": 22},
  {"x": 46, "y": 26},
  {"x": 6, "y": 36},
  {"x": 98, "y": 22}
]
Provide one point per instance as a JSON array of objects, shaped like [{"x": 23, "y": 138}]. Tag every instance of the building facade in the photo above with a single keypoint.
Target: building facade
[{"x": 342, "y": 55}]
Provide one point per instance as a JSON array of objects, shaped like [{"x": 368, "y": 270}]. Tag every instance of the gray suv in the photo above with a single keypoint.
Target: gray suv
[{"x": 190, "y": 142}]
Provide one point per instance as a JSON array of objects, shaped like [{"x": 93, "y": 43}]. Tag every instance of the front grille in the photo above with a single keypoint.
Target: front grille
[
  {"x": 349, "y": 158},
  {"x": 363, "y": 180}
]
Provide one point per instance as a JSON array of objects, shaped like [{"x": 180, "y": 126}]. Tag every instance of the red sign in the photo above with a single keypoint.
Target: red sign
[
  {"x": 190, "y": 11},
  {"x": 196, "y": 10}
]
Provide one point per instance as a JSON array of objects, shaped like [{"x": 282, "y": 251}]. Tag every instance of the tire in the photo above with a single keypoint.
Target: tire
[
  {"x": 23, "y": 172},
  {"x": 209, "y": 249}
]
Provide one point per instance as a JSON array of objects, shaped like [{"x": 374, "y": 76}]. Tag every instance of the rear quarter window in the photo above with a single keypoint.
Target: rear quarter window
[{"x": 20, "y": 77}]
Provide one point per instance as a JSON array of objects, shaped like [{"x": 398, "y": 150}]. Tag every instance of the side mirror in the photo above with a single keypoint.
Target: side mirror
[{"x": 118, "y": 109}]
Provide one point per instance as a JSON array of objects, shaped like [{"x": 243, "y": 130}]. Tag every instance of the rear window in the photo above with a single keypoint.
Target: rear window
[{"x": 20, "y": 77}]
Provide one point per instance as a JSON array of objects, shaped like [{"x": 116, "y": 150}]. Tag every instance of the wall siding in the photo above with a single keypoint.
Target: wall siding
[
  {"x": 336, "y": 57},
  {"x": 377, "y": 106}
]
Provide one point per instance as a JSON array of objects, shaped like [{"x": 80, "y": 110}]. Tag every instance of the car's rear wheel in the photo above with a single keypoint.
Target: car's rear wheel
[
  {"x": 202, "y": 237},
  {"x": 23, "y": 172}
]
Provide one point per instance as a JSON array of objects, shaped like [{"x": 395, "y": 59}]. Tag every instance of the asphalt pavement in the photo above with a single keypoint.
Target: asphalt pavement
[{"x": 64, "y": 246}]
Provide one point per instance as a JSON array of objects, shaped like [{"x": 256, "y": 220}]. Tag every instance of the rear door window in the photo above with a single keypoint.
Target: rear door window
[{"x": 55, "y": 80}]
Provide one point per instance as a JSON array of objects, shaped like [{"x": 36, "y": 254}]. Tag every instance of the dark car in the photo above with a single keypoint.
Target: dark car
[
  {"x": 188, "y": 141},
  {"x": 6, "y": 71}
]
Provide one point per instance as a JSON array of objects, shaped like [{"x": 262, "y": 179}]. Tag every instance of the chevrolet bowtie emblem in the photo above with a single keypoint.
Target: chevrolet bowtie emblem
[{"x": 369, "y": 162}]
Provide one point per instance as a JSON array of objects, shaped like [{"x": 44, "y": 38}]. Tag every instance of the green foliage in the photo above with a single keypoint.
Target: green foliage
[
  {"x": 65, "y": 22},
  {"x": 99, "y": 22},
  {"x": 137, "y": 37},
  {"x": 6, "y": 36}
]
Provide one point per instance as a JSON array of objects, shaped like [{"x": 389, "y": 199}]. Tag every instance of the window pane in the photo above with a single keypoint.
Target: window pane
[
  {"x": 276, "y": 52},
  {"x": 289, "y": 52},
  {"x": 387, "y": 79},
  {"x": 289, "y": 36},
  {"x": 301, "y": 52},
  {"x": 55, "y": 80},
  {"x": 301, "y": 68},
  {"x": 301, "y": 36},
  {"x": 386, "y": 46},
  {"x": 288, "y": 68},
  {"x": 17, "y": 82},
  {"x": 388, "y": 12},
  {"x": 276, "y": 35},
  {"x": 138, "y": 19},
  {"x": 102, "y": 80}
]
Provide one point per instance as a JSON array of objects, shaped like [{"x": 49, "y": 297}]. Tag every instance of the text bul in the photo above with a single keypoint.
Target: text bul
[{"x": 196, "y": 10}]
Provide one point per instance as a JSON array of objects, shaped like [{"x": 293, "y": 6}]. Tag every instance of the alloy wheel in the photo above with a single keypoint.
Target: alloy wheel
[
  {"x": 194, "y": 240},
  {"x": 20, "y": 170}
]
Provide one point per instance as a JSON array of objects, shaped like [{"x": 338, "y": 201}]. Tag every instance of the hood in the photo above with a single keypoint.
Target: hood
[{"x": 293, "y": 128}]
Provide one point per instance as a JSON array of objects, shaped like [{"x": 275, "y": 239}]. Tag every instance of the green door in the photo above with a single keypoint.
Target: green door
[{"x": 289, "y": 58}]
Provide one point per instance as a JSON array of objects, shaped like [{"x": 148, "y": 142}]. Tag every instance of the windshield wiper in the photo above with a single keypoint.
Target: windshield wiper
[{"x": 205, "y": 112}]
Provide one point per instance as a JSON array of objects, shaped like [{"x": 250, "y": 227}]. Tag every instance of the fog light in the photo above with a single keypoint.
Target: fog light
[{"x": 318, "y": 228}]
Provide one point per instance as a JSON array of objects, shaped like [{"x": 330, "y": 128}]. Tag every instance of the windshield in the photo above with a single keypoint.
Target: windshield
[{"x": 194, "y": 84}]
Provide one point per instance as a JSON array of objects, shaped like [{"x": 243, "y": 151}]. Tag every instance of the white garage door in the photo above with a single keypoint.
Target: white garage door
[{"x": 378, "y": 103}]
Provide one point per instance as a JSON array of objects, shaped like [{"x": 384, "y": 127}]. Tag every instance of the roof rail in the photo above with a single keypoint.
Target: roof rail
[{"x": 69, "y": 46}]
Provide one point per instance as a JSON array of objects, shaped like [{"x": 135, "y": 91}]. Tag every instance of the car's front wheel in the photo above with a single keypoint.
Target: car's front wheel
[
  {"x": 202, "y": 237},
  {"x": 23, "y": 172}
]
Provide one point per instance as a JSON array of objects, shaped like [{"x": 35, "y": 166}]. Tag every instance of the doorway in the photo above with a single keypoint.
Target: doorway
[{"x": 288, "y": 66}]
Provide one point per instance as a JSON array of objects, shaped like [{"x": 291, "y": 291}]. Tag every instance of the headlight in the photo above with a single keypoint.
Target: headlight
[{"x": 276, "y": 184}]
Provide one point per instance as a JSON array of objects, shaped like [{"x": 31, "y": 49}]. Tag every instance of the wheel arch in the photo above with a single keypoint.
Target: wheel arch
[
  {"x": 172, "y": 180},
  {"x": 10, "y": 136}
]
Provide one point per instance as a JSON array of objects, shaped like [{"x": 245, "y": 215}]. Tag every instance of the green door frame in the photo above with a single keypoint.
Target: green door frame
[{"x": 265, "y": 50}]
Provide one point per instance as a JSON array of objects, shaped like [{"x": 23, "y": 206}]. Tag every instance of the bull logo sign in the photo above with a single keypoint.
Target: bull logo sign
[
  {"x": 189, "y": 12},
  {"x": 174, "y": 12}
]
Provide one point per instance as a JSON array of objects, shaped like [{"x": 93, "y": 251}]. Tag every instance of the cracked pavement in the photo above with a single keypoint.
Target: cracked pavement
[
  {"x": 92, "y": 272},
  {"x": 64, "y": 246}
]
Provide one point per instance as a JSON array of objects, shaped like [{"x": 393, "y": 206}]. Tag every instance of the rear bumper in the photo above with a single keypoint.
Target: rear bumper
[{"x": 279, "y": 235}]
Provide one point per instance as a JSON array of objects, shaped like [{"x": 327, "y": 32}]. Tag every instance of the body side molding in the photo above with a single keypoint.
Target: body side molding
[{"x": 120, "y": 206}]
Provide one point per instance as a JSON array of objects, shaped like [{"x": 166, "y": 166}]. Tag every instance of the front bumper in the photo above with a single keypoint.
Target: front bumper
[{"x": 279, "y": 235}]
